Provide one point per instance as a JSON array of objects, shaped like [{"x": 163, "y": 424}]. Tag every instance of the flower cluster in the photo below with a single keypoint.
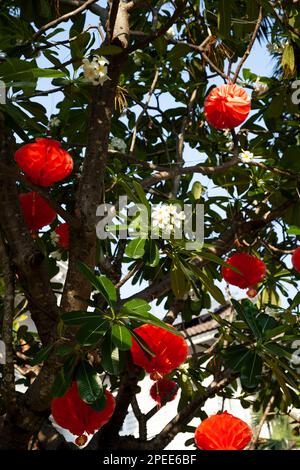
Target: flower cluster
[
  {"x": 167, "y": 217},
  {"x": 118, "y": 144},
  {"x": 95, "y": 71},
  {"x": 54, "y": 122}
]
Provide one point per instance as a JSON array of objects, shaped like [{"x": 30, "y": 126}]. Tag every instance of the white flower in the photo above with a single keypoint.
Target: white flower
[
  {"x": 161, "y": 217},
  {"x": 95, "y": 71},
  {"x": 170, "y": 34},
  {"x": 118, "y": 144},
  {"x": 167, "y": 217},
  {"x": 260, "y": 87},
  {"x": 246, "y": 156},
  {"x": 54, "y": 122},
  {"x": 56, "y": 255}
]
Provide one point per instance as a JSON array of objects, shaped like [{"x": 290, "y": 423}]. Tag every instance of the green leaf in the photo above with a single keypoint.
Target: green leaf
[
  {"x": 108, "y": 290},
  {"x": 247, "y": 317},
  {"x": 288, "y": 60},
  {"x": 179, "y": 282},
  {"x": 112, "y": 358},
  {"x": 108, "y": 50},
  {"x": 99, "y": 404},
  {"x": 89, "y": 383},
  {"x": 251, "y": 371},
  {"x": 41, "y": 355},
  {"x": 100, "y": 283},
  {"x": 63, "y": 380},
  {"x": 142, "y": 343},
  {"x": 136, "y": 306},
  {"x": 47, "y": 73},
  {"x": 91, "y": 333},
  {"x": 152, "y": 252},
  {"x": 136, "y": 248},
  {"x": 224, "y": 20},
  {"x": 121, "y": 337},
  {"x": 215, "y": 292},
  {"x": 79, "y": 317}
]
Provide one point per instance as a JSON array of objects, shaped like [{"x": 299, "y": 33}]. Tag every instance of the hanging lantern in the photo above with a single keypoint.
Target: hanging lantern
[
  {"x": 227, "y": 106},
  {"x": 73, "y": 414},
  {"x": 44, "y": 162},
  {"x": 170, "y": 350},
  {"x": 296, "y": 259},
  {"x": 223, "y": 432},
  {"x": 36, "y": 211},
  {"x": 163, "y": 391},
  {"x": 62, "y": 231},
  {"x": 252, "y": 271}
]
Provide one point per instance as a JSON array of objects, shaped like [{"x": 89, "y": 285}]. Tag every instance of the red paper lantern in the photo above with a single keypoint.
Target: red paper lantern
[
  {"x": 62, "y": 231},
  {"x": 44, "y": 162},
  {"x": 227, "y": 106},
  {"x": 296, "y": 259},
  {"x": 223, "y": 432},
  {"x": 36, "y": 211},
  {"x": 72, "y": 413},
  {"x": 163, "y": 391},
  {"x": 170, "y": 350},
  {"x": 252, "y": 270}
]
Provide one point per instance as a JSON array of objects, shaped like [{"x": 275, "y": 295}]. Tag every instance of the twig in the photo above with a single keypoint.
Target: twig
[
  {"x": 83, "y": 6},
  {"x": 250, "y": 45},
  {"x": 261, "y": 423},
  {"x": 135, "y": 130}
]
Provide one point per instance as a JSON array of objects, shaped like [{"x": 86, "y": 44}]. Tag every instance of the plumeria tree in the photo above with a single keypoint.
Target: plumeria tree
[{"x": 129, "y": 80}]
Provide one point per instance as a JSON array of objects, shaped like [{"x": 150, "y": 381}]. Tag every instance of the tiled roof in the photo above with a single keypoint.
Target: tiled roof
[{"x": 206, "y": 323}]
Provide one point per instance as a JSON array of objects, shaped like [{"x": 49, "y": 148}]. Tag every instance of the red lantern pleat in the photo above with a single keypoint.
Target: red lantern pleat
[
  {"x": 163, "y": 391},
  {"x": 73, "y": 414},
  {"x": 44, "y": 162},
  {"x": 252, "y": 270},
  {"x": 62, "y": 231},
  {"x": 170, "y": 350},
  {"x": 36, "y": 211},
  {"x": 227, "y": 106},
  {"x": 223, "y": 432},
  {"x": 296, "y": 259}
]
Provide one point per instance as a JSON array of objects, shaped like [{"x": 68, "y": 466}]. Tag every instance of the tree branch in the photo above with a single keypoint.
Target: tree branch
[{"x": 250, "y": 45}]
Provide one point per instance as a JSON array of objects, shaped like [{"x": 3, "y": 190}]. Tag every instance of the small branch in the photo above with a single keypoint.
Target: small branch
[
  {"x": 261, "y": 423},
  {"x": 82, "y": 6},
  {"x": 96, "y": 9},
  {"x": 250, "y": 45},
  {"x": 180, "y": 141},
  {"x": 129, "y": 275},
  {"x": 141, "y": 418},
  {"x": 144, "y": 108}
]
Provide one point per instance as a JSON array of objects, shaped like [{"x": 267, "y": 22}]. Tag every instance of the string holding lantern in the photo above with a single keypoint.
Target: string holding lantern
[
  {"x": 169, "y": 350},
  {"x": 73, "y": 414},
  {"x": 251, "y": 269},
  {"x": 163, "y": 391},
  {"x": 296, "y": 259},
  {"x": 223, "y": 432},
  {"x": 36, "y": 211},
  {"x": 44, "y": 162},
  {"x": 62, "y": 231},
  {"x": 227, "y": 106}
]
